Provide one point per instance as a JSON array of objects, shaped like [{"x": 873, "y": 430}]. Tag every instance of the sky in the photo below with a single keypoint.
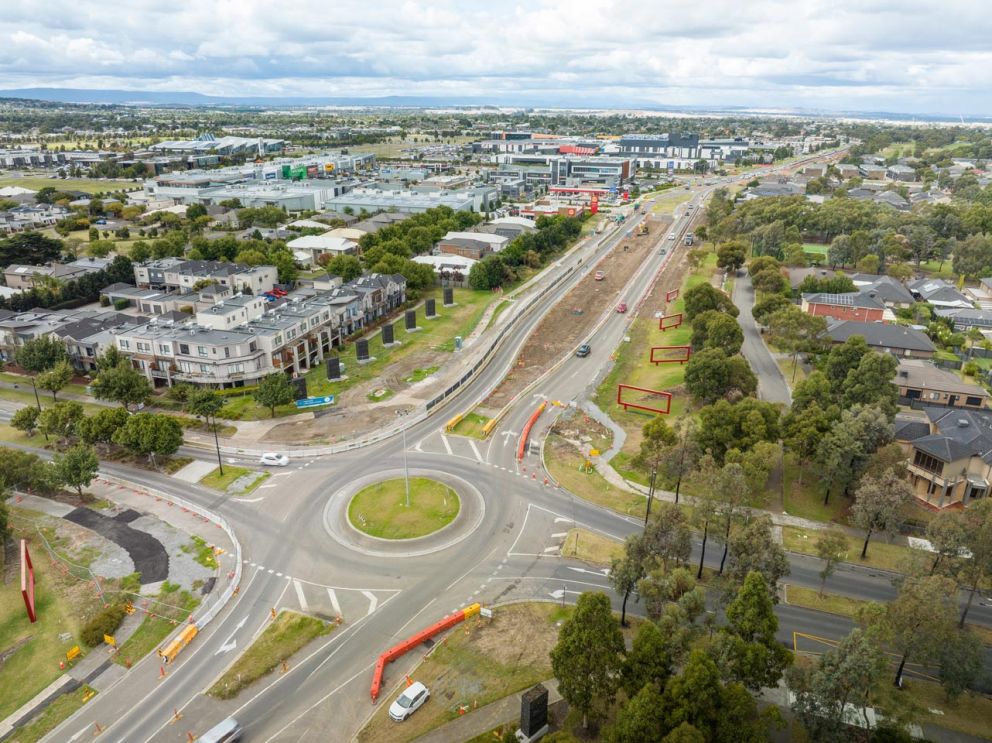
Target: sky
[{"x": 912, "y": 56}]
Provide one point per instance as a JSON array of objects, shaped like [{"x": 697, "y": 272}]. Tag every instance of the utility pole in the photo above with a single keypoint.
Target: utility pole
[
  {"x": 678, "y": 482},
  {"x": 220, "y": 464},
  {"x": 654, "y": 474},
  {"x": 406, "y": 469}
]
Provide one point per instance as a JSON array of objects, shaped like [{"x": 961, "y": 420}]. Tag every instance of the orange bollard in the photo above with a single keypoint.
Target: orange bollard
[
  {"x": 161, "y": 672},
  {"x": 285, "y": 667},
  {"x": 273, "y": 613},
  {"x": 176, "y": 717},
  {"x": 61, "y": 665},
  {"x": 533, "y": 475},
  {"x": 97, "y": 729},
  {"x": 190, "y": 738},
  {"x": 545, "y": 481}
]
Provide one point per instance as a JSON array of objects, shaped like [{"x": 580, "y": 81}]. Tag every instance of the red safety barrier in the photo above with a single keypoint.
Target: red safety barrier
[
  {"x": 411, "y": 642},
  {"x": 684, "y": 353},
  {"x": 668, "y": 322},
  {"x": 672, "y": 294},
  {"x": 666, "y": 396},
  {"x": 526, "y": 432}
]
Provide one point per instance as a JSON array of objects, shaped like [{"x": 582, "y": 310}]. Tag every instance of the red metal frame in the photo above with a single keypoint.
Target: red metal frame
[
  {"x": 686, "y": 354},
  {"x": 670, "y": 295},
  {"x": 627, "y": 405},
  {"x": 676, "y": 319},
  {"x": 27, "y": 581}
]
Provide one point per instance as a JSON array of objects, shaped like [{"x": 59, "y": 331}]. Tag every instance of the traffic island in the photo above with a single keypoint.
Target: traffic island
[{"x": 389, "y": 510}]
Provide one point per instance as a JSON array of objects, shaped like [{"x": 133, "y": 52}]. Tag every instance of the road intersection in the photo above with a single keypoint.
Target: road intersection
[{"x": 297, "y": 554}]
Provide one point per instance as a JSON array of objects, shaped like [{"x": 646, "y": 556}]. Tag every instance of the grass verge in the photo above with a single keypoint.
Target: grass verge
[
  {"x": 380, "y": 510},
  {"x": 471, "y": 425},
  {"x": 172, "y": 607},
  {"x": 202, "y": 552},
  {"x": 60, "y": 710},
  {"x": 880, "y": 554},
  {"x": 969, "y": 714},
  {"x": 287, "y": 634},
  {"x": 221, "y": 482},
  {"x": 810, "y": 598},
  {"x": 563, "y": 461},
  {"x": 590, "y": 546}
]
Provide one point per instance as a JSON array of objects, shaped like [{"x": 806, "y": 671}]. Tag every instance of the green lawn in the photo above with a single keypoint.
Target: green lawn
[
  {"x": 806, "y": 499},
  {"x": 86, "y": 185},
  {"x": 563, "y": 462},
  {"x": 471, "y": 425},
  {"x": 880, "y": 554},
  {"x": 221, "y": 482},
  {"x": 832, "y": 603},
  {"x": 380, "y": 510},
  {"x": 57, "y": 712},
  {"x": 434, "y": 335},
  {"x": 287, "y": 634},
  {"x": 815, "y": 249}
]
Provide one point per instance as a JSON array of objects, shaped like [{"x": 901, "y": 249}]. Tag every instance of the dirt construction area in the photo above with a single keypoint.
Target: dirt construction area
[{"x": 574, "y": 316}]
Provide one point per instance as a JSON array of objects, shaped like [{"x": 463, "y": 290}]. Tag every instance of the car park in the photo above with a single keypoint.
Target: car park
[
  {"x": 412, "y": 699},
  {"x": 272, "y": 459},
  {"x": 584, "y": 350}
]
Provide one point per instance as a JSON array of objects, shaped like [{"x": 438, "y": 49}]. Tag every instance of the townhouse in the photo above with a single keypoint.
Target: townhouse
[{"x": 181, "y": 275}]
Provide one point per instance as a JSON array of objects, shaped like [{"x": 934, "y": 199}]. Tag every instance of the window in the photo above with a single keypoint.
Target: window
[
  {"x": 204, "y": 368},
  {"x": 201, "y": 350},
  {"x": 184, "y": 349},
  {"x": 227, "y": 352},
  {"x": 166, "y": 349},
  {"x": 253, "y": 346},
  {"x": 976, "y": 401},
  {"x": 928, "y": 463},
  {"x": 125, "y": 344}
]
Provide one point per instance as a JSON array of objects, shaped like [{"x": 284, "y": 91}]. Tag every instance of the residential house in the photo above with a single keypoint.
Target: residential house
[
  {"x": 939, "y": 293},
  {"x": 966, "y": 319},
  {"x": 900, "y": 173},
  {"x": 859, "y": 306},
  {"x": 889, "y": 338},
  {"x": 89, "y": 337},
  {"x": 920, "y": 380},
  {"x": 952, "y": 462},
  {"x": 891, "y": 291},
  {"x": 449, "y": 269},
  {"x": 181, "y": 275},
  {"x": 309, "y": 248},
  {"x": 981, "y": 294},
  {"x": 19, "y": 277}
]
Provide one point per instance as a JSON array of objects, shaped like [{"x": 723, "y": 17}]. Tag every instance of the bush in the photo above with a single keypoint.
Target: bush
[
  {"x": 104, "y": 300},
  {"x": 104, "y": 623},
  {"x": 121, "y": 304}
]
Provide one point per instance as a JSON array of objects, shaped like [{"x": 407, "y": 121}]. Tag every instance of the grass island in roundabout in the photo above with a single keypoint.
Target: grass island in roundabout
[{"x": 380, "y": 509}]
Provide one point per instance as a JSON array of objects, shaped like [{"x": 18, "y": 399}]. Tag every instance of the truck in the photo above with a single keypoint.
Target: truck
[{"x": 688, "y": 238}]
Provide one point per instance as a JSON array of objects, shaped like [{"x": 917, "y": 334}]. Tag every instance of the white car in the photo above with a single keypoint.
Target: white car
[
  {"x": 272, "y": 459},
  {"x": 412, "y": 699},
  {"x": 671, "y": 236}
]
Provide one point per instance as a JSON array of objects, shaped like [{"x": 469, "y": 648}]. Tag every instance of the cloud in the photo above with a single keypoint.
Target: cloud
[{"x": 901, "y": 55}]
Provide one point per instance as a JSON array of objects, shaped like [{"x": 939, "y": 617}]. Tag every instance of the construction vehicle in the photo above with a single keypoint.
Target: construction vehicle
[{"x": 642, "y": 228}]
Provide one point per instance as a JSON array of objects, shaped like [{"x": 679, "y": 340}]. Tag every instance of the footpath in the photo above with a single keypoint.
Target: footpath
[{"x": 144, "y": 531}]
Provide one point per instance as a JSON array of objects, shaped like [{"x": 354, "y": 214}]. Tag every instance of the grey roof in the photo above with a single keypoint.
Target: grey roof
[
  {"x": 937, "y": 289},
  {"x": 910, "y": 429},
  {"x": 960, "y": 433},
  {"x": 967, "y": 316},
  {"x": 848, "y": 299},
  {"x": 881, "y": 335},
  {"x": 922, "y": 374},
  {"x": 889, "y": 290},
  {"x": 944, "y": 448}
]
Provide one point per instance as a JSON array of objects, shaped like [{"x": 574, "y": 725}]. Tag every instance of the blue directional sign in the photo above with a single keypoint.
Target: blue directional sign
[{"x": 314, "y": 402}]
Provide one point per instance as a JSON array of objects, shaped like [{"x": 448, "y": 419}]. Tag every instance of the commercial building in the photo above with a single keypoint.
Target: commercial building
[
  {"x": 208, "y": 143},
  {"x": 181, "y": 275},
  {"x": 407, "y": 201}
]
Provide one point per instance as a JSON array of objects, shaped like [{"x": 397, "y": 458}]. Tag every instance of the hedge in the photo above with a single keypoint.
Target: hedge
[{"x": 105, "y": 622}]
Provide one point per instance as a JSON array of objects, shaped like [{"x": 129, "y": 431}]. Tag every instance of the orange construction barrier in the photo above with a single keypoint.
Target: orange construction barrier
[
  {"x": 522, "y": 447},
  {"x": 411, "y": 642}
]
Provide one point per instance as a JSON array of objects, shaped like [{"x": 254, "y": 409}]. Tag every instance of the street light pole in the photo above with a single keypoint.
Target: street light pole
[
  {"x": 654, "y": 473},
  {"x": 220, "y": 464},
  {"x": 678, "y": 482},
  {"x": 406, "y": 469}
]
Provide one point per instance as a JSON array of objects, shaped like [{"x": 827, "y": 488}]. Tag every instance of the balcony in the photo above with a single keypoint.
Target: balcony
[{"x": 936, "y": 478}]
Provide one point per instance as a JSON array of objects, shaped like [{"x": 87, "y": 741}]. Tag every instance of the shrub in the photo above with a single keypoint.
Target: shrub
[
  {"x": 104, "y": 300},
  {"x": 121, "y": 304},
  {"x": 104, "y": 623}
]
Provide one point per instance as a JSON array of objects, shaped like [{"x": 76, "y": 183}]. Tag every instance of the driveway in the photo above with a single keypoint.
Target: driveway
[{"x": 771, "y": 383}]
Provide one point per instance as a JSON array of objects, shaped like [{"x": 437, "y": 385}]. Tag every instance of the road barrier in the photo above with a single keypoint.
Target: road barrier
[
  {"x": 452, "y": 422},
  {"x": 411, "y": 642},
  {"x": 521, "y": 448}
]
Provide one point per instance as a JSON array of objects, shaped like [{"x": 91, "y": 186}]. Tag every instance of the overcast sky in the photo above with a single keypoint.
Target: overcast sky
[{"x": 893, "y": 55}]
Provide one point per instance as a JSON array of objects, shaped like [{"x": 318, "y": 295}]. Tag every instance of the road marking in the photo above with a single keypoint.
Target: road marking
[
  {"x": 559, "y": 535},
  {"x": 560, "y": 593},
  {"x": 604, "y": 572},
  {"x": 263, "y": 487},
  {"x": 230, "y": 644},
  {"x": 373, "y": 601},
  {"x": 247, "y": 500},
  {"x": 277, "y": 574},
  {"x": 475, "y": 449},
  {"x": 282, "y": 474},
  {"x": 447, "y": 446},
  {"x": 299, "y": 594},
  {"x": 552, "y": 549},
  {"x": 334, "y": 601},
  {"x": 270, "y": 570}
]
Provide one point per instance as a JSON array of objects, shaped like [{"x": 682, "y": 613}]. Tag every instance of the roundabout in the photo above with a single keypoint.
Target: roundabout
[
  {"x": 403, "y": 508},
  {"x": 370, "y": 516}
]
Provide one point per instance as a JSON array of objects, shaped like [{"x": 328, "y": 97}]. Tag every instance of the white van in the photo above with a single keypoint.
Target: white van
[{"x": 225, "y": 731}]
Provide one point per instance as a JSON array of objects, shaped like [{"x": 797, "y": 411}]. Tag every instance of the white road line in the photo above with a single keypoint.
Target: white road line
[
  {"x": 447, "y": 446},
  {"x": 263, "y": 487},
  {"x": 552, "y": 549},
  {"x": 476, "y": 450},
  {"x": 282, "y": 474},
  {"x": 334, "y": 601},
  {"x": 559, "y": 534},
  {"x": 373, "y": 601},
  {"x": 299, "y": 594},
  {"x": 271, "y": 571}
]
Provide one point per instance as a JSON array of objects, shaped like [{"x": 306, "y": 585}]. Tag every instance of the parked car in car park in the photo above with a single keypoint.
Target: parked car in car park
[
  {"x": 412, "y": 699},
  {"x": 272, "y": 459}
]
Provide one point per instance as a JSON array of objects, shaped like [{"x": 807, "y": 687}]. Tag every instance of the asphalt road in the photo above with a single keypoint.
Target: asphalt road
[
  {"x": 294, "y": 559},
  {"x": 771, "y": 383}
]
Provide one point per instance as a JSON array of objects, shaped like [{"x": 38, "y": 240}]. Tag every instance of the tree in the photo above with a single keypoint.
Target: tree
[
  {"x": 831, "y": 548},
  {"x": 802, "y": 432},
  {"x": 768, "y": 306},
  {"x": 746, "y": 649},
  {"x": 627, "y": 570},
  {"x": 731, "y": 255},
  {"x": 684, "y": 733},
  {"x": 712, "y": 374},
  {"x": 39, "y": 355},
  {"x": 842, "y": 359},
  {"x": 489, "y": 273},
  {"x": 673, "y": 595},
  {"x": 658, "y": 439},
  {"x": 704, "y": 297},
  {"x": 713, "y": 329},
  {"x": 753, "y": 548},
  {"x": 724, "y": 425},
  {"x": 769, "y": 281},
  {"x": 55, "y": 378},
  {"x": 879, "y": 503},
  {"x": 150, "y": 434},
  {"x": 274, "y": 390},
  {"x": 795, "y": 332},
  {"x": 962, "y": 662},
  {"x": 99, "y": 428},
  {"x": 649, "y": 661},
  {"x": 60, "y": 419},
  {"x": 844, "y": 677},
  {"x": 348, "y": 267},
  {"x": 978, "y": 543},
  {"x": 846, "y": 448},
  {"x": 694, "y": 695},
  {"x": 946, "y": 534},
  {"x": 667, "y": 537},
  {"x": 77, "y": 467},
  {"x": 124, "y": 384},
  {"x": 587, "y": 658},
  {"x": 26, "y": 420},
  {"x": 732, "y": 495},
  {"x": 920, "y": 619},
  {"x": 871, "y": 383},
  {"x": 206, "y": 403},
  {"x": 640, "y": 719}
]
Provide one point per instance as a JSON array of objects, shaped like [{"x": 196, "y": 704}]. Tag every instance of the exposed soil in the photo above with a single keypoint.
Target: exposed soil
[
  {"x": 574, "y": 316},
  {"x": 336, "y": 425}
]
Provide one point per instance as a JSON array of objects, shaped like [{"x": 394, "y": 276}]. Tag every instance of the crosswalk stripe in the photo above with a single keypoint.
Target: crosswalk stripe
[
  {"x": 334, "y": 601},
  {"x": 447, "y": 446},
  {"x": 299, "y": 594}
]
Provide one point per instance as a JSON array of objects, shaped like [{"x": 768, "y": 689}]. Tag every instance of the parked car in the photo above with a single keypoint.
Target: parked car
[
  {"x": 272, "y": 459},
  {"x": 412, "y": 699},
  {"x": 269, "y": 297},
  {"x": 599, "y": 276},
  {"x": 225, "y": 731},
  {"x": 279, "y": 292},
  {"x": 622, "y": 307},
  {"x": 584, "y": 350}
]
